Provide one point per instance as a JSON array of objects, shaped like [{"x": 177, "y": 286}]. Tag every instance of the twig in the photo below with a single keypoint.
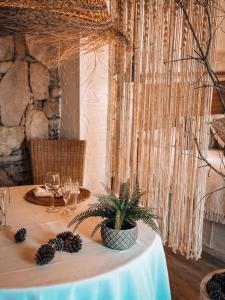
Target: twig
[
  {"x": 182, "y": 59},
  {"x": 203, "y": 86},
  {"x": 209, "y": 194},
  {"x": 203, "y": 166},
  {"x": 201, "y": 156},
  {"x": 203, "y": 55}
]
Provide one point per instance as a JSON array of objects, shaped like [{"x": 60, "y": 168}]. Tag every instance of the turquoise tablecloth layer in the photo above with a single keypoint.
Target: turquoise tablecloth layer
[{"x": 145, "y": 278}]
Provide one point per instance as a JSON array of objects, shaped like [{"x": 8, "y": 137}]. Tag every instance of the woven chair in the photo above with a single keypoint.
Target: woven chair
[{"x": 65, "y": 157}]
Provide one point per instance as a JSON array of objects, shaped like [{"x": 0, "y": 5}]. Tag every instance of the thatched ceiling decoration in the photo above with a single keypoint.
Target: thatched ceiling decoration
[{"x": 72, "y": 24}]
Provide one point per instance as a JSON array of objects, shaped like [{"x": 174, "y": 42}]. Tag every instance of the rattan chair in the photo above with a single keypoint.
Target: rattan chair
[{"x": 65, "y": 157}]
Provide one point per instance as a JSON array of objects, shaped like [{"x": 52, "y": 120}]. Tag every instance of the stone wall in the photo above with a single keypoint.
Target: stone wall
[{"x": 30, "y": 105}]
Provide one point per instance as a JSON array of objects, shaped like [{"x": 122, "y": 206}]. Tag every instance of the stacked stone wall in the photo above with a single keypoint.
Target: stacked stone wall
[{"x": 30, "y": 105}]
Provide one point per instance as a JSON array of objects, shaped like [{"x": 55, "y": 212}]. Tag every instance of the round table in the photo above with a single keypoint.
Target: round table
[{"x": 94, "y": 273}]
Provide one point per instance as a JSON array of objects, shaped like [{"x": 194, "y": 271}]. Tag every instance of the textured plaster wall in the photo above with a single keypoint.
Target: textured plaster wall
[{"x": 93, "y": 115}]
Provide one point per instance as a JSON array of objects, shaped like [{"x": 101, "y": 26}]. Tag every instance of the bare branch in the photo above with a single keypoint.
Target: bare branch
[
  {"x": 217, "y": 190},
  {"x": 203, "y": 55},
  {"x": 203, "y": 86},
  {"x": 209, "y": 194},
  {"x": 181, "y": 5},
  {"x": 203, "y": 166},
  {"x": 206, "y": 161},
  {"x": 182, "y": 59}
]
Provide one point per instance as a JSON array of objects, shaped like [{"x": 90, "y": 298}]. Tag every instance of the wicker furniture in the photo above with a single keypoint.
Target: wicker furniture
[
  {"x": 63, "y": 156},
  {"x": 203, "y": 293}
]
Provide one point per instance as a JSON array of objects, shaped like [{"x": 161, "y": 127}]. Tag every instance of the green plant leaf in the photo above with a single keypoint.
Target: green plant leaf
[
  {"x": 100, "y": 212},
  {"x": 124, "y": 195},
  {"x": 110, "y": 200},
  {"x": 136, "y": 195},
  {"x": 130, "y": 220},
  {"x": 102, "y": 205},
  {"x": 144, "y": 214},
  {"x": 98, "y": 226}
]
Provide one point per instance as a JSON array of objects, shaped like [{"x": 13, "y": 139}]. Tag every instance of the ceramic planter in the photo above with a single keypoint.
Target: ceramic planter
[{"x": 121, "y": 240}]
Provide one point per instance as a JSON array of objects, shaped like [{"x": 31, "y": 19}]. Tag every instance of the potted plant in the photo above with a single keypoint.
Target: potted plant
[{"x": 119, "y": 213}]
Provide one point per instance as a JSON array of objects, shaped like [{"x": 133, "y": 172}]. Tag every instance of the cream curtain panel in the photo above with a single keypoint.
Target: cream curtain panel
[{"x": 157, "y": 107}]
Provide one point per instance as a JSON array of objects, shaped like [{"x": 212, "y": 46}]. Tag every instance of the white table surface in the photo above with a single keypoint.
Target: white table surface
[{"x": 21, "y": 278}]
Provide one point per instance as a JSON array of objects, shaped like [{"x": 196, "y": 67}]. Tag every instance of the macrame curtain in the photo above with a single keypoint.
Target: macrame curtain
[{"x": 156, "y": 109}]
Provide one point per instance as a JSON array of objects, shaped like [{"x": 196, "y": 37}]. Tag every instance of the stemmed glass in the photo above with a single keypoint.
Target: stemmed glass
[
  {"x": 65, "y": 179},
  {"x": 66, "y": 189},
  {"x": 75, "y": 193},
  {"x": 4, "y": 206},
  {"x": 52, "y": 184}
]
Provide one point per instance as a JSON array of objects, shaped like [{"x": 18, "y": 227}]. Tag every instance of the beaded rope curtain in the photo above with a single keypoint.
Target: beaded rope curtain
[{"x": 156, "y": 109}]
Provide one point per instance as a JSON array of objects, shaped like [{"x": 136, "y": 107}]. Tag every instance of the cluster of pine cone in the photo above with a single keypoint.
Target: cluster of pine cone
[
  {"x": 64, "y": 241},
  {"x": 215, "y": 287}
]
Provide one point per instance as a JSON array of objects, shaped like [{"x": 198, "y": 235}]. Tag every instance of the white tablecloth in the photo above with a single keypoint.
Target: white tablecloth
[{"x": 94, "y": 273}]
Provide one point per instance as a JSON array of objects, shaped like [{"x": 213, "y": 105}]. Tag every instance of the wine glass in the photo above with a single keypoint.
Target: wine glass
[
  {"x": 52, "y": 184},
  {"x": 4, "y": 206},
  {"x": 65, "y": 179},
  {"x": 75, "y": 192},
  {"x": 66, "y": 190}
]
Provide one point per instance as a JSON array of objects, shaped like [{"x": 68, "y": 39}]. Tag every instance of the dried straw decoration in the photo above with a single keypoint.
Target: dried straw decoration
[
  {"x": 156, "y": 109},
  {"x": 69, "y": 25}
]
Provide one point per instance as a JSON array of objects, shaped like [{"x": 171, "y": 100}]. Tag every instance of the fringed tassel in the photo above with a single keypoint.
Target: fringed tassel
[{"x": 214, "y": 216}]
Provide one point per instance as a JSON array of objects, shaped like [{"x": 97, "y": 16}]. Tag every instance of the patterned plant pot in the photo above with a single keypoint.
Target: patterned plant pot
[{"x": 121, "y": 240}]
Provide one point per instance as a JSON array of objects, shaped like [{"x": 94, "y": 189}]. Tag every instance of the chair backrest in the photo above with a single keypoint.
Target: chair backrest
[{"x": 65, "y": 157}]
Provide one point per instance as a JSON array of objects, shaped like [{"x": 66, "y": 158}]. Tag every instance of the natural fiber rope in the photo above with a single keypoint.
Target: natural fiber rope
[
  {"x": 75, "y": 25},
  {"x": 155, "y": 111}
]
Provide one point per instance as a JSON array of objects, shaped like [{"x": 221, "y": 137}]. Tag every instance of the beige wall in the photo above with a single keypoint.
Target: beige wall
[
  {"x": 84, "y": 110},
  {"x": 93, "y": 116},
  {"x": 70, "y": 80}
]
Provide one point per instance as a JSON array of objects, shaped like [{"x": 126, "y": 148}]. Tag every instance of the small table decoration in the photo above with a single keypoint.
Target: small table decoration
[
  {"x": 120, "y": 213},
  {"x": 45, "y": 200},
  {"x": 64, "y": 241},
  {"x": 20, "y": 235},
  {"x": 45, "y": 254}
]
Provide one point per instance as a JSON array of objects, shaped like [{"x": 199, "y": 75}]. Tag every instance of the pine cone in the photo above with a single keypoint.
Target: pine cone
[
  {"x": 20, "y": 235},
  {"x": 57, "y": 243},
  {"x": 219, "y": 278},
  {"x": 65, "y": 235},
  {"x": 217, "y": 295},
  {"x": 222, "y": 285},
  {"x": 214, "y": 289},
  {"x": 73, "y": 244},
  {"x": 44, "y": 254}
]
